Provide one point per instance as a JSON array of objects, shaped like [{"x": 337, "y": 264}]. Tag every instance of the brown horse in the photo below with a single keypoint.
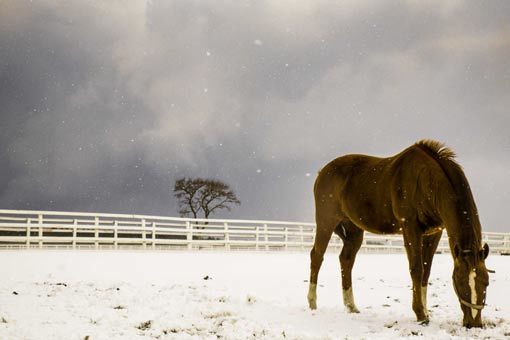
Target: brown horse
[{"x": 417, "y": 193}]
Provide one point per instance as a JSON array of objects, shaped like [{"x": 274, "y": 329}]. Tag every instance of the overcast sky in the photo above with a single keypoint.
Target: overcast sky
[{"x": 103, "y": 104}]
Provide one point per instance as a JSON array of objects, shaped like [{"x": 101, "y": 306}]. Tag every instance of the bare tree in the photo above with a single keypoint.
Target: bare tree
[
  {"x": 186, "y": 191},
  {"x": 203, "y": 195}
]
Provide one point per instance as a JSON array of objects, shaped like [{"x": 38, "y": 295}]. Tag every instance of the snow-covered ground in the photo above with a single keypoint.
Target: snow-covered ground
[{"x": 235, "y": 295}]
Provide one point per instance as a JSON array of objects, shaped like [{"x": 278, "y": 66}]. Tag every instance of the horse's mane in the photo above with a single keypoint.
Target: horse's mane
[
  {"x": 438, "y": 149},
  {"x": 445, "y": 157}
]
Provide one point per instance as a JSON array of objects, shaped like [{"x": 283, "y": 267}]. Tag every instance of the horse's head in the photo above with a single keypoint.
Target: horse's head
[{"x": 470, "y": 281}]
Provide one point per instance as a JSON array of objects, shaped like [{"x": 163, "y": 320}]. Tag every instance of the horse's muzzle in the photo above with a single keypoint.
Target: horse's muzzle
[{"x": 472, "y": 324}]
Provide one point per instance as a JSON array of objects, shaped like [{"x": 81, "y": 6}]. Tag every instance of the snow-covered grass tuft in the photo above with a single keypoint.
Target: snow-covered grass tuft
[{"x": 165, "y": 295}]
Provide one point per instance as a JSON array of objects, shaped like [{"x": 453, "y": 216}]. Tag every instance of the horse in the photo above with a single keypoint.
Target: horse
[{"x": 416, "y": 193}]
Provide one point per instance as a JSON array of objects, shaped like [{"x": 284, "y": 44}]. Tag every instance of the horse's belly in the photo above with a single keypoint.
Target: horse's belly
[
  {"x": 383, "y": 228},
  {"x": 377, "y": 222}
]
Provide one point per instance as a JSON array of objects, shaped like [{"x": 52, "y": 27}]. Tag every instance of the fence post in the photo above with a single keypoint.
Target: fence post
[
  {"x": 153, "y": 235},
  {"x": 29, "y": 221},
  {"x": 144, "y": 236},
  {"x": 302, "y": 237},
  {"x": 256, "y": 237},
  {"x": 227, "y": 236},
  {"x": 286, "y": 238},
  {"x": 189, "y": 235},
  {"x": 96, "y": 232},
  {"x": 266, "y": 239},
  {"x": 75, "y": 232},
  {"x": 116, "y": 234},
  {"x": 40, "y": 230}
]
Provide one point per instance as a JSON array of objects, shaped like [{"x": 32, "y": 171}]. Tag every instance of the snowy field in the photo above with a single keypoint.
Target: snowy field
[{"x": 236, "y": 295}]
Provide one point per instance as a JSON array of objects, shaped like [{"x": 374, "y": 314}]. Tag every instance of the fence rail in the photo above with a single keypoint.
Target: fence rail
[{"x": 50, "y": 229}]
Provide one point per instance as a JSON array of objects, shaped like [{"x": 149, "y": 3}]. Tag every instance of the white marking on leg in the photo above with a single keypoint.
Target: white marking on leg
[
  {"x": 312, "y": 295},
  {"x": 424, "y": 298},
  {"x": 349, "y": 300},
  {"x": 472, "y": 285}
]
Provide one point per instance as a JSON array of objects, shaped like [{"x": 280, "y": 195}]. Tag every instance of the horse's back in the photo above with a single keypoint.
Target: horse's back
[
  {"x": 347, "y": 164},
  {"x": 346, "y": 167}
]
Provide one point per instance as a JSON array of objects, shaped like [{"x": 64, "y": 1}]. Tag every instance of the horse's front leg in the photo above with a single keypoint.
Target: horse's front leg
[
  {"x": 413, "y": 244},
  {"x": 430, "y": 243}
]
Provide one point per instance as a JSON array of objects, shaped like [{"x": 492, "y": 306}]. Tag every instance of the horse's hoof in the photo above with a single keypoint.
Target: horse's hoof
[
  {"x": 312, "y": 305},
  {"x": 352, "y": 309},
  {"x": 424, "y": 322}
]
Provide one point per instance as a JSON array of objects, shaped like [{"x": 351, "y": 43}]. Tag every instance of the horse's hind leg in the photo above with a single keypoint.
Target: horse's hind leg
[
  {"x": 323, "y": 232},
  {"x": 352, "y": 238},
  {"x": 430, "y": 243}
]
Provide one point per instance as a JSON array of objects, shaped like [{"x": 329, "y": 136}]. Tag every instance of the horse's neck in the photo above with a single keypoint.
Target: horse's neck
[
  {"x": 463, "y": 227},
  {"x": 458, "y": 208}
]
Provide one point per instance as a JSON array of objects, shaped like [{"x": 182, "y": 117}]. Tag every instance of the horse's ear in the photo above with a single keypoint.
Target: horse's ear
[
  {"x": 456, "y": 251},
  {"x": 484, "y": 252}
]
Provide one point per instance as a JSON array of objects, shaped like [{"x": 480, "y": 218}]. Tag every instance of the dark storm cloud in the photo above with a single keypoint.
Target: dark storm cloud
[{"x": 103, "y": 105}]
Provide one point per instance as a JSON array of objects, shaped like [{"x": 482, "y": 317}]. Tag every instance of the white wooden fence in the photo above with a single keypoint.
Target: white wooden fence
[{"x": 49, "y": 229}]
